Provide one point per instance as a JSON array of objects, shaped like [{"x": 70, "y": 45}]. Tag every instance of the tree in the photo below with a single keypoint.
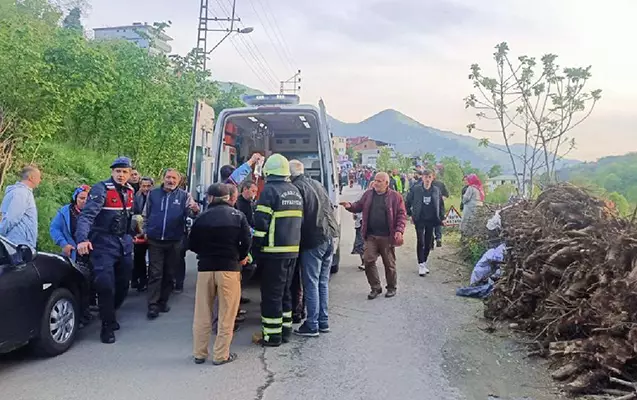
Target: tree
[
  {"x": 452, "y": 175},
  {"x": 73, "y": 20},
  {"x": 384, "y": 161},
  {"x": 495, "y": 171},
  {"x": 541, "y": 108},
  {"x": 621, "y": 204}
]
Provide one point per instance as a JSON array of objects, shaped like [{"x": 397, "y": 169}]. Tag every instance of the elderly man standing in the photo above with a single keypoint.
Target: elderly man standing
[
  {"x": 318, "y": 231},
  {"x": 167, "y": 208},
  {"x": 19, "y": 214},
  {"x": 384, "y": 218}
]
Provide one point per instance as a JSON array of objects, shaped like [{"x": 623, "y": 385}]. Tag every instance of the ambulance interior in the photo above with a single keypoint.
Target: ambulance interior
[{"x": 295, "y": 135}]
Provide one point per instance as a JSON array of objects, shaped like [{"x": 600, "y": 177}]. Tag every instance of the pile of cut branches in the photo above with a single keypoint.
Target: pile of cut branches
[{"x": 571, "y": 281}]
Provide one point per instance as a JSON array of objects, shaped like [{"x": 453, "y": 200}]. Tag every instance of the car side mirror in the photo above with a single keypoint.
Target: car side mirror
[{"x": 25, "y": 253}]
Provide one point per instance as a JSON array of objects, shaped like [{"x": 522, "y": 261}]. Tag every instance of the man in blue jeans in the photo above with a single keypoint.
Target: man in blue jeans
[{"x": 317, "y": 235}]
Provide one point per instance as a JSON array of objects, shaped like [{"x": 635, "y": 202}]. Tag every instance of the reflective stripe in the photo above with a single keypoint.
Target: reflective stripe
[
  {"x": 259, "y": 234},
  {"x": 272, "y": 331},
  {"x": 280, "y": 249},
  {"x": 272, "y": 321},
  {"x": 287, "y": 324},
  {"x": 289, "y": 214},
  {"x": 264, "y": 209},
  {"x": 271, "y": 232},
  {"x": 287, "y": 314}
]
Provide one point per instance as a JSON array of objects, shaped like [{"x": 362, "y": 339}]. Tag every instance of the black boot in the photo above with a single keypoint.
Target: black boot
[
  {"x": 107, "y": 335},
  {"x": 287, "y": 333}
]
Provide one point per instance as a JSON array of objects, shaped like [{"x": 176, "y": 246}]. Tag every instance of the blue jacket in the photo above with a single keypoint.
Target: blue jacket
[
  {"x": 19, "y": 215},
  {"x": 105, "y": 220},
  {"x": 60, "y": 229},
  {"x": 165, "y": 214}
]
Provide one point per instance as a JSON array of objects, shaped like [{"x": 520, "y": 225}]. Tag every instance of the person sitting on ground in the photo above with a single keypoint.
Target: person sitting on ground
[
  {"x": 221, "y": 238},
  {"x": 384, "y": 219}
]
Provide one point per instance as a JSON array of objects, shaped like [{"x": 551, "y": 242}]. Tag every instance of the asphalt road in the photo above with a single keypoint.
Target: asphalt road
[{"x": 383, "y": 349}]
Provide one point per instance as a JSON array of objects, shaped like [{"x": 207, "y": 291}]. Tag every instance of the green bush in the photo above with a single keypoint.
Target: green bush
[
  {"x": 472, "y": 249},
  {"x": 63, "y": 169}
]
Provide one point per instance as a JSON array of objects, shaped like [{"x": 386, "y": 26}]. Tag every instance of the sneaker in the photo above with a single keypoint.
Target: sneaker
[
  {"x": 303, "y": 330},
  {"x": 425, "y": 267},
  {"x": 361, "y": 267},
  {"x": 239, "y": 319},
  {"x": 374, "y": 293},
  {"x": 199, "y": 360},
  {"x": 230, "y": 359},
  {"x": 324, "y": 328},
  {"x": 390, "y": 293},
  {"x": 164, "y": 308},
  {"x": 439, "y": 243},
  {"x": 421, "y": 267}
]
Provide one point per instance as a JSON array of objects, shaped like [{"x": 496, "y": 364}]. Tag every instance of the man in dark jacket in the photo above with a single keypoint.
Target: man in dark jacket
[
  {"x": 424, "y": 205},
  {"x": 383, "y": 226},
  {"x": 104, "y": 230},
  {"x": 221, "y": 238},
  {"x": 139, "y": 280},
  {"x": 245, "y": 203},
  {"x": 277, "y": 235},
  {"x": 444, "y": 195},
  {"x": 317, "y": 248},
  {"x": 165, "y": 216}
]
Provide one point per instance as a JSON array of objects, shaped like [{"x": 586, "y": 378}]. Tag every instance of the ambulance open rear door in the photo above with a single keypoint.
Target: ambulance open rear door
[{"x": 201, "y": 157}]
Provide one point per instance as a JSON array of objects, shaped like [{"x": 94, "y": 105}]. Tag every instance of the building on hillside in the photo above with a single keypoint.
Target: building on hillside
[
  {"x": 501, "y": 180},
  {"x": 340, "y": 145},
  {"x": 371, "y": 144},
  {"x": 353, "y": 141},
  {"x": 369, "y": 157},
  {"x": 141, "y": 34}
]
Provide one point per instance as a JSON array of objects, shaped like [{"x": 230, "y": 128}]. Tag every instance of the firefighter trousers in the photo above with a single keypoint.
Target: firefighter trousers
[{"x": 276, "y": 299}]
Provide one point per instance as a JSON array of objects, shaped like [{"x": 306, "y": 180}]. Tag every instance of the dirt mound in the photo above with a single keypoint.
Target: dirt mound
[{"x": 571, "y": 280}]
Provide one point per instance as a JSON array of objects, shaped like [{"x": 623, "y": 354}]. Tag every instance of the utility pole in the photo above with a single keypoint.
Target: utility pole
[
  {"x": 202, "y": 31},
  {"x": 295, "y": 81}
]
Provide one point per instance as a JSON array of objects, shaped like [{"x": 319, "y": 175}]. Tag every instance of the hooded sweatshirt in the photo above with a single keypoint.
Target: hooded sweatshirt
[{"x": 19, "y": 222}]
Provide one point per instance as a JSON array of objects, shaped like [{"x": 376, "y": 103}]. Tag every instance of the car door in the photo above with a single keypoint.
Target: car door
[{"x": 20, "y": 297}]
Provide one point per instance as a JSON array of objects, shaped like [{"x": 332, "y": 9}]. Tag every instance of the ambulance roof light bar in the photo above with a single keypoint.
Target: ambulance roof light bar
[{"x": 271, "y": 99}]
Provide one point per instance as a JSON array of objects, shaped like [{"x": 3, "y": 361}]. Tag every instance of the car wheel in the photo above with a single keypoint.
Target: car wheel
[
  {"x": 59, "y": 324},
  {"x": 336, "y": 261}
]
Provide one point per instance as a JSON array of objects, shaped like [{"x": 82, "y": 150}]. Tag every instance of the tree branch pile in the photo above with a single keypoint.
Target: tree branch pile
[{"x": 571, "y": 281}]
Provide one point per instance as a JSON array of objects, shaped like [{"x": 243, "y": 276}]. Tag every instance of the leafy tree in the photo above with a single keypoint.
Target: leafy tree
[
  {"x": 501, "y": 194},
  {"x": 495, "y": 171},
  {"x": 73, "y": 20},
  {"x": 542, "y": 108},
  {"x": 452, "y": 175},
  {"x": 384, "y": 161}
]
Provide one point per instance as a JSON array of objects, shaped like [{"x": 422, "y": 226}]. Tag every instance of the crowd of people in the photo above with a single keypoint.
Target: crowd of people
[{"x": 130, "y": 232}]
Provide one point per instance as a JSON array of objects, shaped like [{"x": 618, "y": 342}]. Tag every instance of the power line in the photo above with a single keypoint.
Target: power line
[
  {"x": 254, "y": 49},
  {"x": 281, "y": 53},
  {"x": 277, "y": 32},
  {"x": 259, "y": 76}
]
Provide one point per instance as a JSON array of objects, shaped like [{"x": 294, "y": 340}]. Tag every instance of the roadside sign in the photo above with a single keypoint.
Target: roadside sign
[{"x": 453, "y": 217}]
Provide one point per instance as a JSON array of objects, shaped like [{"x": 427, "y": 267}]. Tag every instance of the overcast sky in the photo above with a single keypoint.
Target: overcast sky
[{"x": 363, "y": 56}]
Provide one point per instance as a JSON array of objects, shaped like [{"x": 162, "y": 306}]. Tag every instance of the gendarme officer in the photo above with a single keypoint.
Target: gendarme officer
[{"x": 104, "y": 232}]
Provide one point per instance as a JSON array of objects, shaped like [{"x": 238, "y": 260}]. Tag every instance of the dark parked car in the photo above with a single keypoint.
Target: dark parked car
[{"x": 40, "y": 300}]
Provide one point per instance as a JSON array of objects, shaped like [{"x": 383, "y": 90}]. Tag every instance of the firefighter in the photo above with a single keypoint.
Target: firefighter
[
  {"x": 277, "y": 234},
  {"x": 104, "y": 231}
]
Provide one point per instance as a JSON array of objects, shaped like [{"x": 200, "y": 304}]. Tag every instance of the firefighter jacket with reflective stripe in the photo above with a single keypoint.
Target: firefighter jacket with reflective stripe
[{"x": 278, "y": 219}]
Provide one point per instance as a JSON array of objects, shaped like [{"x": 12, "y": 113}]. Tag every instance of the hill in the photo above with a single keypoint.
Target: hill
[
  {"x": 613, "y": 174},
  {"x": 411, "y": 137},
  {"x": 227, "y": 86}
]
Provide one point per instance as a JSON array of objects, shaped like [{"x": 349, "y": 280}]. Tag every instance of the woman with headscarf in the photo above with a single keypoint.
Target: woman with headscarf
[
  {"x": 472, "y": 198},
  {"x": 62, "y": 229}
]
